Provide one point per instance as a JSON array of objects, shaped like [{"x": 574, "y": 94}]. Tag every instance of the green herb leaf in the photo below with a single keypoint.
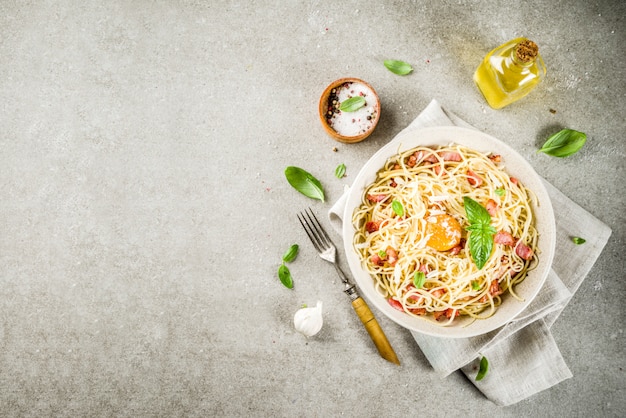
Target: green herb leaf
[
  {"x": 285, "y": 276},
  {"x": 352, "y": 104},
  {"x": 304, "y": 182},
  {"x": 382, "y": 254},
  {"x": 578, "y": 240},
  {"x": 500, "y": 191},
  {"x": 481, "y": 232},
  {"x": 340, "y": 171},
  {"x": 481, "y": 245},
  {"x": 419, "y": 278},
  {"x": 291, "y": 253},
  {"x": 564, "y": 143},
  {"x": 398, "y": 67},
  {"x": 476, "y": 213},
  {"x": 475, "y": 285},
  {"x": 484, "y": 366},
  {"x": 397, "y": 208}
]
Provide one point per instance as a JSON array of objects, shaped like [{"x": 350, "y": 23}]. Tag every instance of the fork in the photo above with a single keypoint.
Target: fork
[{"x": 327, "y": 251}]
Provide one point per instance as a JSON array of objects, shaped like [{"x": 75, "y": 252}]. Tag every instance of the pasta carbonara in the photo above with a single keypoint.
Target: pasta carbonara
[{"x": 412, "y": 232}]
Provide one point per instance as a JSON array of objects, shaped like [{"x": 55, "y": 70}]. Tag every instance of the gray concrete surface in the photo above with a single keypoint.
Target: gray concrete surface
[{"x": 144, "y": 210}]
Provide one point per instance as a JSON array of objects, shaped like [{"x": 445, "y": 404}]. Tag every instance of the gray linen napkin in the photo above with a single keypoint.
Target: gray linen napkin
[{"x": 523, "y": 356}]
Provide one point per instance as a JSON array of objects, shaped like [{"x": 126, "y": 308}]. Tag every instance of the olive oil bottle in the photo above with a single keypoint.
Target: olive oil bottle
[{"x": 510, "y": 72}]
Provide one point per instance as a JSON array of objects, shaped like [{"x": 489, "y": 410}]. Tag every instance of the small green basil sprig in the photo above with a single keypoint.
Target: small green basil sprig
[
  {"x": 481, "y": 232},
  {"x": 398, "y": 67},
  {"x": 283, "y": 271},
  {"x": 304, "y": 182},
  {"x": 419, "y": 278},
  {"x": 285, "y": 276},
  {"x": 397, "y": 207},
  {"x": 483, "y": 368},
  {"x": 352, "y": 104},
  {"x": 340, "y": 171},
  {"x": 564, "y": 143}
]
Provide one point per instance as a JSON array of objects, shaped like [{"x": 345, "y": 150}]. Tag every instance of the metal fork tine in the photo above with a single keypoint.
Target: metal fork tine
[
  {"x": 309, "y": 232},
  {"x": 321, "y": 229},
  {"x": 316, "y": 230}
]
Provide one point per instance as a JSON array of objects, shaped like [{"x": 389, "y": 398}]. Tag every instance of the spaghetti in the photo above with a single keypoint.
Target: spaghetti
[{"x": 412, "y": 238}]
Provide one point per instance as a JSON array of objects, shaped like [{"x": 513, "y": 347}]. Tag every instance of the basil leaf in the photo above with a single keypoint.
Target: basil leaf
[
  {"x": 476, "y": 213},
  {"x": 419, "y": 278},
  {"x": 480, "y": 246},
  {"x": 397, "y": 208},
  {"x": 304, "y": 182},
  {"x": 382, "y": 254},
  {"x": 484, "y": 366},
  {"x": 578, "y": 240},
  {"x": 398, "y": 67},
  {"x": 475, "y": 285},
  {"x": 340, "y": 171},
  {"x": 285, "y": 276},
  {"x": 564, "y": 143},
  {"x": 481, "y": 232},
  {"x": 500, "y": 191},
  {"x": 291, "y": 253},
  {"x": 352, "y": 104}
]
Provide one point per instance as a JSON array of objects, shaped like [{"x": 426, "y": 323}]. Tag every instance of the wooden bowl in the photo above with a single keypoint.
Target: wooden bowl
[{"x": 373, "y": 109}]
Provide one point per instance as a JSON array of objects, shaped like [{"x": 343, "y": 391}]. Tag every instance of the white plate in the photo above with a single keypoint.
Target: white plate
[{"x": 515, "y": 166}]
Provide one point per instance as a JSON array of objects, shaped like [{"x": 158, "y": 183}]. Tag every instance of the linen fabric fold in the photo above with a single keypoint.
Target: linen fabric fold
[{"x": 523, "y": 356}]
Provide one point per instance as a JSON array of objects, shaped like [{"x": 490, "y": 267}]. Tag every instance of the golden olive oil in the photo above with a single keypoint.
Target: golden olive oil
[{"x": 510, "y": 72}]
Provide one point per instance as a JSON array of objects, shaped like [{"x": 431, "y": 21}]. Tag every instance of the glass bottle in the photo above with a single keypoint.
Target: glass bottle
[{"x": 510, "y": 72}]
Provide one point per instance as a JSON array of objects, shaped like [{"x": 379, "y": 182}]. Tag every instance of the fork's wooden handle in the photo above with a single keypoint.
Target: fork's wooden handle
[{"x": 374, "y": 330}]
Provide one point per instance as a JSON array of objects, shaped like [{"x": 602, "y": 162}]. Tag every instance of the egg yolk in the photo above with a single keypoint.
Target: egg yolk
[{"x": 444, "y": 231}]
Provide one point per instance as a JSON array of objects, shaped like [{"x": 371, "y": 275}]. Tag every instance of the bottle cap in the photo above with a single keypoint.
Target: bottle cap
[{"x": 526, "y": 51}]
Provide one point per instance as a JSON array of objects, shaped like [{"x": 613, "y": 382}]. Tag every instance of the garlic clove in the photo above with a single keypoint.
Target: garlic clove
[{"x": 309, "y": 321}]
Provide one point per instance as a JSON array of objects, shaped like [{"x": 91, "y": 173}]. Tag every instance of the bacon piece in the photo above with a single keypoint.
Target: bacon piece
[
  {"x": 420, "y": 156},
  {"x": 458, "y": 248},
  {"x": 376, "y": 197},
  {"x": 514, "y": 180},
  {"x": 504, "y": 238},
  {"x": 415, "y": 298},
  {"x": 375, "y": 259},
  {"x": 448, "y": 313},
  {"x": 423, "y": 268},
  {"x": 417, "y": 311},
  {"x": 431, "y": 158},
  {"x": 372, "y": 226},
  {"x": 494, "y": 288},
  {"x": 455, "y": 250},
  {"x": 439, "y": 170},
  {"x": 496, "y": 158},
  {"x": 524, "y": 251},
  {"x": 395, "y": 304},
  {"x": 450, "y": 156},
  {"x": 452, "y": 312},
  {"x": 492, "y": 207},
  {"x": 392, "y": 256},
  {"x": 474, "y": 179},
  {"x": 438, "y": 314}
]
